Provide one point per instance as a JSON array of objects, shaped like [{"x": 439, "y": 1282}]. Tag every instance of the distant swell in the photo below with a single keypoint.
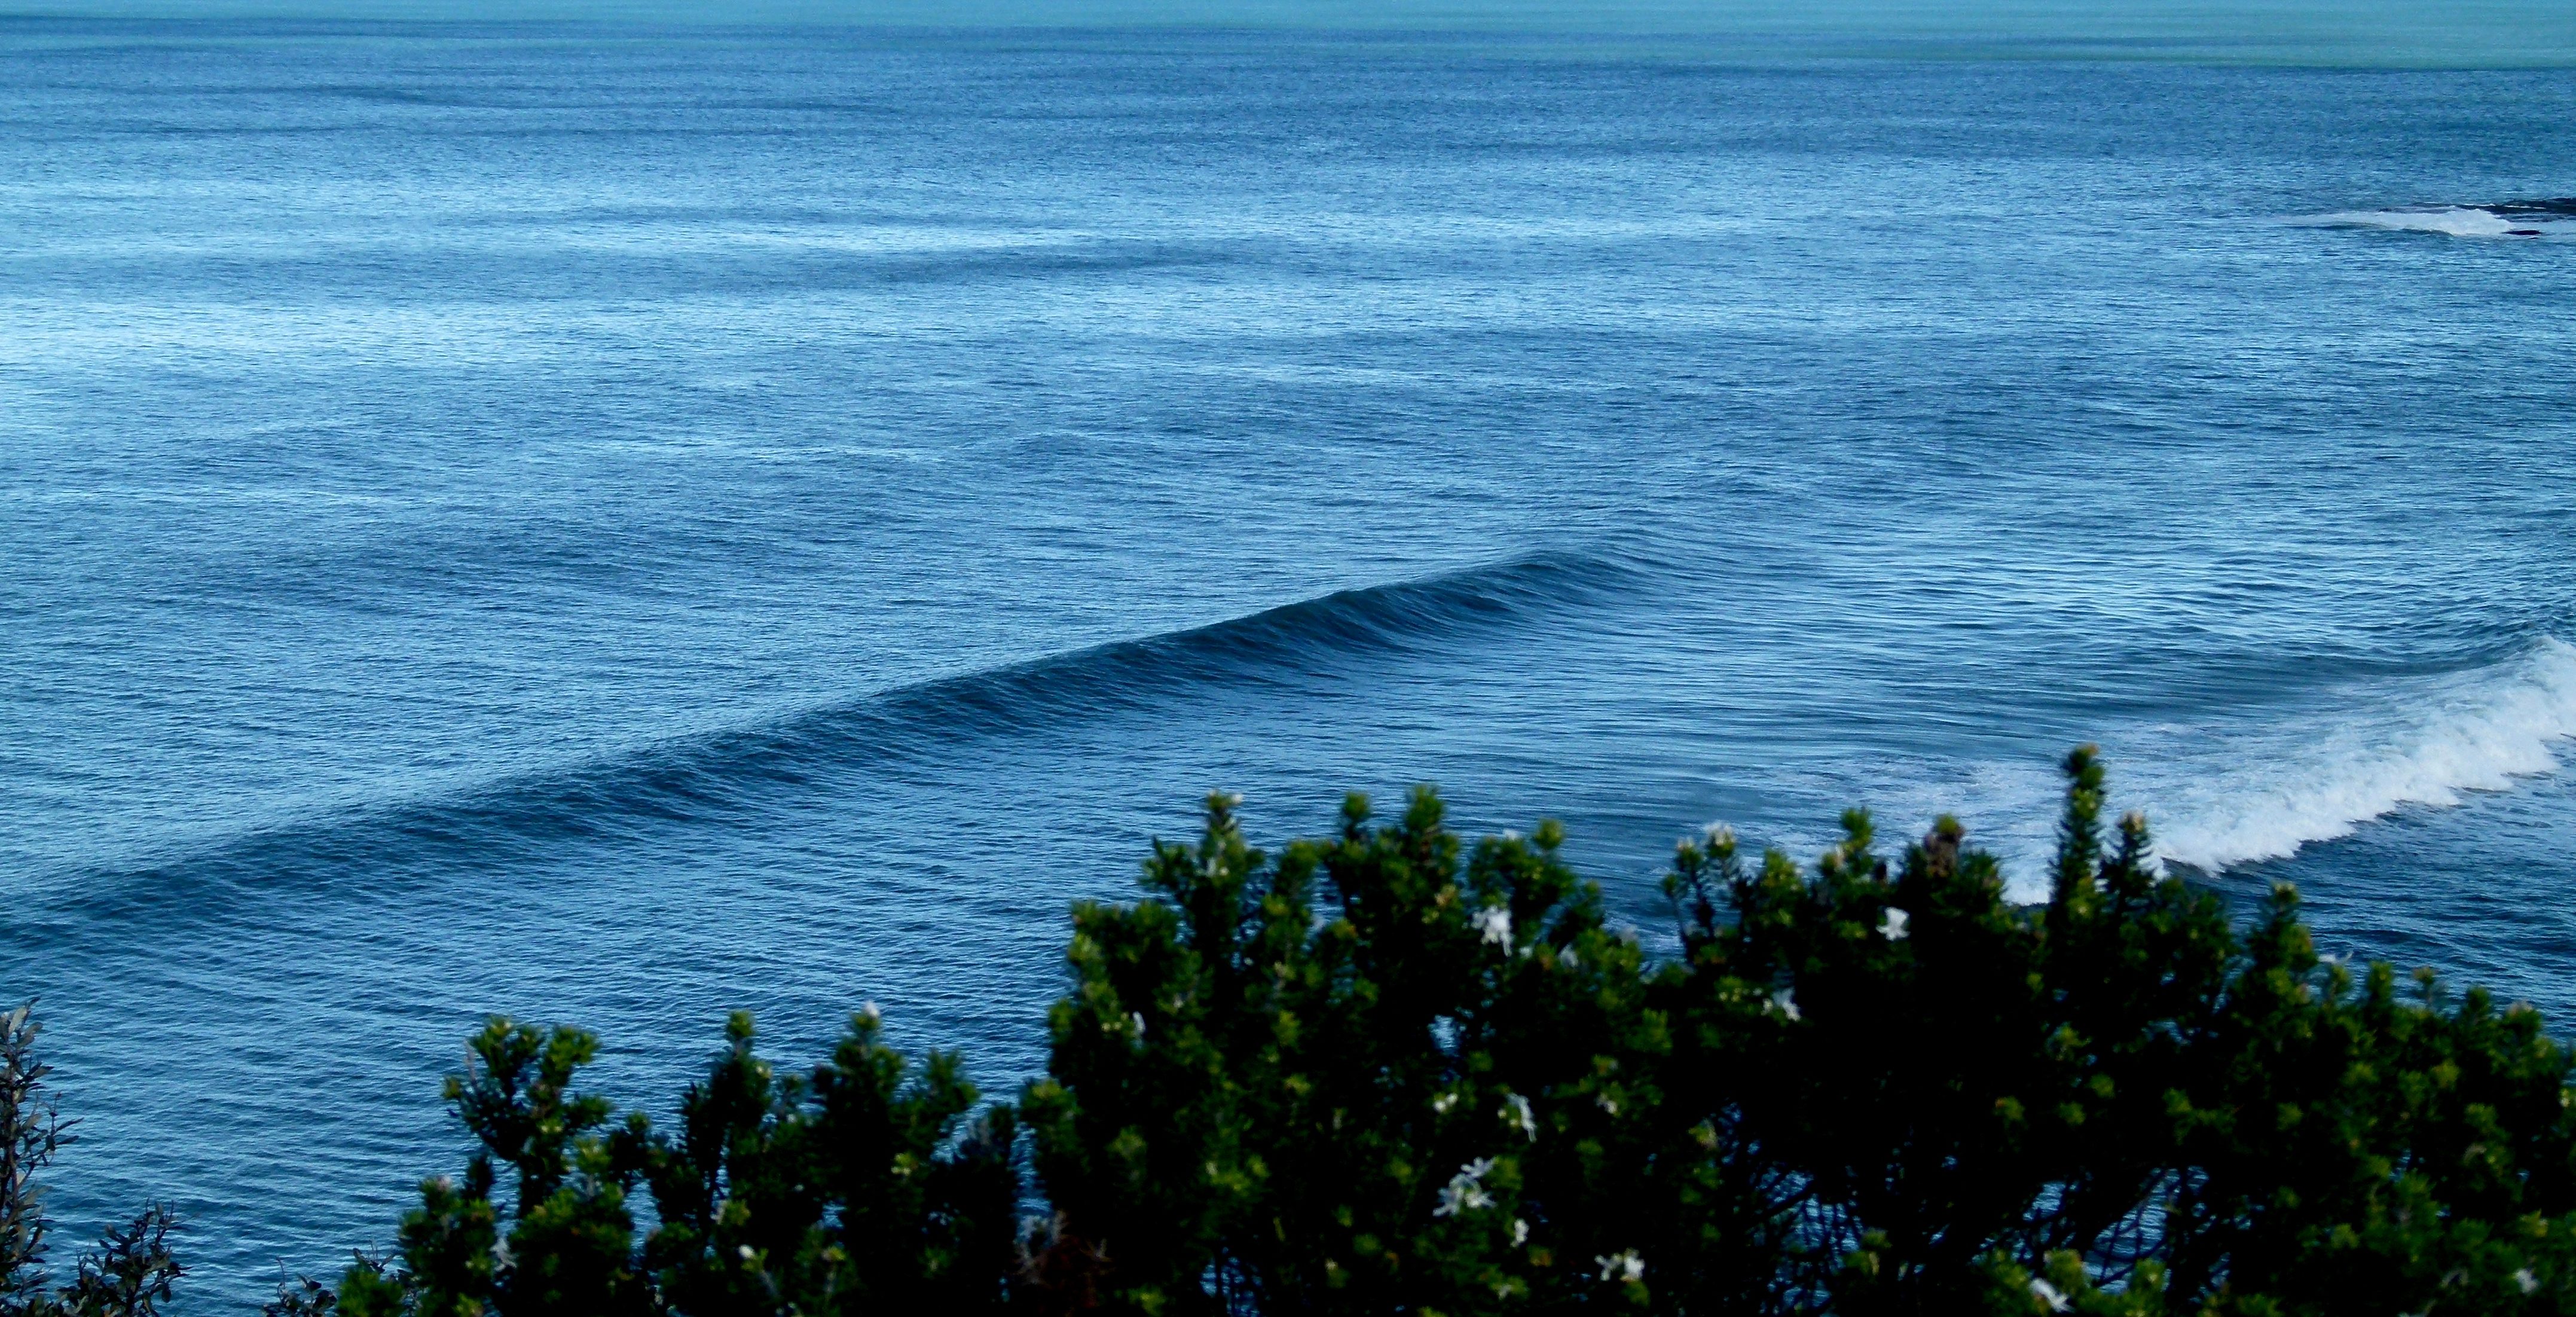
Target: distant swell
[
  {"x": 2423, "y": 746},
  {"x": 726, "y": 773}
]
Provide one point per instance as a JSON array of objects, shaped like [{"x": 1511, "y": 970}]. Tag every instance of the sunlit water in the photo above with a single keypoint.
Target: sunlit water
[{"x": 616, "y": 526}]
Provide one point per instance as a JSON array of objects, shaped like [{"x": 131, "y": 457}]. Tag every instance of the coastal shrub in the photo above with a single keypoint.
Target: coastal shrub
[
  {"x": 1390, "y": 1071},
  {"x": 867, "y": 1185},
  {"x": 2112, "y": 1102},
  {"x": 129, "y": 1273},
  {"x": 1449, "y": 1090}
]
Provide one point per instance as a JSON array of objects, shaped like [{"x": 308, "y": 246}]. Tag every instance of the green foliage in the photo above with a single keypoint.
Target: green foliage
[
  {"x": 1958, "y": 1078},
  {"x": 867, "y": 1187},
  {"x": 130, "y": 1273},
  {"x": 862, "y": 1188},
  {"x": 1447, "y": 1093},
  {"x": 1389, "y": 1071}
]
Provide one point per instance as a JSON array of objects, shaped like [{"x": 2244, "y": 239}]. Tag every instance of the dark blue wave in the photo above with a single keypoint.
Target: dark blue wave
[{"x": 729, "y": 774}]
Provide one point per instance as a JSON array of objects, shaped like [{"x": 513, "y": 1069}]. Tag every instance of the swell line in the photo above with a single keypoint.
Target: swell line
[{"x": 729, "y": 773}]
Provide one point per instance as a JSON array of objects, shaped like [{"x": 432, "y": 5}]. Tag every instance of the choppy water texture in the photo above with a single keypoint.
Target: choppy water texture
[{"x": 612, "y": 526}]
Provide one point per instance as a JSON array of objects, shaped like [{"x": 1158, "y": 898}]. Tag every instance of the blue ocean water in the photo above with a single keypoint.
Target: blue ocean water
[{"x": 613, "y": 525}]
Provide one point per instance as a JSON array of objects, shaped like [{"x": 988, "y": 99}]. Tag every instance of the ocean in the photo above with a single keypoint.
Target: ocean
[{"x": 614, "y": 524}]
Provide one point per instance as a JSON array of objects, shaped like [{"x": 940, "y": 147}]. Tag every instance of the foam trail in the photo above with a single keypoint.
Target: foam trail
[{"x": 2422, "y": 745}]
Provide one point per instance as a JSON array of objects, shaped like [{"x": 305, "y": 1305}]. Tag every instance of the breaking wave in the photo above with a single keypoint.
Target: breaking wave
[
  {"x": 2550, "y": 218},
  {"x": 2422, "y": 744}
]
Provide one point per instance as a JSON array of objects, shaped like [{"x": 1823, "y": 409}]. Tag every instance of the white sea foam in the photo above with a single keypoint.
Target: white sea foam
[
  {"x": 2416, "y": 744},
  {"x": 2458, "y": 221},
  {"x": 2503, "y": 221},
  {"x": 2227, "y": 792}
]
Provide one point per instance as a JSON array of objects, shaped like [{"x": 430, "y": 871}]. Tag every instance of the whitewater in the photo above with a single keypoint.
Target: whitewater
[{"x": 619, "y": 525}]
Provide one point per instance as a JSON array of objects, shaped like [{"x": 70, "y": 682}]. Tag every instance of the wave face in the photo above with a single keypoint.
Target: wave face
[
  {"x": 727, "y": 773},
  {"x": 2426, "y": 743},
  {"x": 2552, "y": 218}
]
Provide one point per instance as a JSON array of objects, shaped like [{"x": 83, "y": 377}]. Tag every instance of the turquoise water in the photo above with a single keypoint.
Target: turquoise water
[
  {"x": 618, "y": 524},
  {"x": 2482, "y": 34}
]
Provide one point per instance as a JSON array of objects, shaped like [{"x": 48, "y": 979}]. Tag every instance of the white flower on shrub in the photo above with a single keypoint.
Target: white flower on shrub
[
  {"x": 1495, "y": 922},
  {"x": 1623, "y": 1265},
  {"x": 1891, "y": 925},
  {"x": 1465, "y": 1191},
  {"x": 2048, "y": 1294},
  {"x": 1787, "y": 1002},
  {"x": 1516, "y": 1109}
]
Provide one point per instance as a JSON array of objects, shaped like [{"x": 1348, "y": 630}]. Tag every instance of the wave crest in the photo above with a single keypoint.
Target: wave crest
[
  {"x": 728, "y": 772},
  {"x": 2422, "y": 746}
]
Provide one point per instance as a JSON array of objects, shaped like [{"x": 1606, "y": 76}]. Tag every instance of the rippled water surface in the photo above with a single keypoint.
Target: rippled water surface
[{"x": 612, "y": 525}]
